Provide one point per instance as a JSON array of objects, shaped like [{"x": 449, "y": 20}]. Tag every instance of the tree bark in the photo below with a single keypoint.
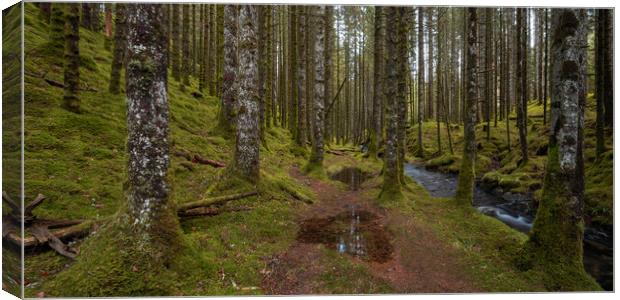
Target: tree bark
[
  {"x": 231, "y": 65},
  {"x": 465, "y": 188},
  {"x": 176, "y": 43},
  {"x": 421, "y": 80},
  {"x": 556, "y": 240},
  {"x": 391, "y": 179},
  {"x": 376, "y": 134},
  {"x": 318, "y": 22},
  {"x": 246, "y": 162}
]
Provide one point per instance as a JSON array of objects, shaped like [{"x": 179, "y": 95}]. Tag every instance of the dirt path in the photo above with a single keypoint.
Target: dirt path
[{"x": 395, "y": 251}]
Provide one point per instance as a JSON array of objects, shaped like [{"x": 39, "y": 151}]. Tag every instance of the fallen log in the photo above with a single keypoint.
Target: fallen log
[
  {"x": 215, "y": 201},
  {"x": 64, "y": 234},
  {"x": 295, "y": 194},
  {"x": 43, "y": 235},
  {"x": 334, "y": 152}
]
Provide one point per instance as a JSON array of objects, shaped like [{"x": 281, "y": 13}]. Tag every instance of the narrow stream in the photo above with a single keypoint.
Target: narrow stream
[{"x": 516, "y": 211}]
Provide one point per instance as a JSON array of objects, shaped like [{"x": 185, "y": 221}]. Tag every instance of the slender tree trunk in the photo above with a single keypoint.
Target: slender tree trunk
[
  {"x": 301, "y": 79},
  {"x": 465, "y": 188},
  {"x": 72, "y": 58},
  {"x": 556, "y": 240},
  {"x": 608, "y": 57},
  {"x": 421, "y": 62},
  {"x": 185, "y": 57},
  {"x": 246, "y": 163},
  {"x": 329, "y": 34},
  {"x": 176, "y": 43},
  {"x": 521, "y": 83},
  {"x": 600, "y": 81},
  {"x": 56, "y": 40},
  {"x": 120, "y": 32}
]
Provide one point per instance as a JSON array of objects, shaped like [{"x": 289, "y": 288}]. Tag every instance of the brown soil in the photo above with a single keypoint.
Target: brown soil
[{"x": 401, "y": 252}]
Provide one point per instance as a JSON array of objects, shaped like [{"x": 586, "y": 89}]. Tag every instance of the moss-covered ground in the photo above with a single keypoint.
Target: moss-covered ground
[{"x": 78, "y": 162}]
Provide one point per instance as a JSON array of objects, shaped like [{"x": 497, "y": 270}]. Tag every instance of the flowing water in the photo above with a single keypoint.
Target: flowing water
[{"x": 517, "y": 211}]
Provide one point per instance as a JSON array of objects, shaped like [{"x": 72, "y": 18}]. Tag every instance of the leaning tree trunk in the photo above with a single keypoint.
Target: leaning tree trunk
[
  {"x": 120, "y": 31},
  {"x": 465, "y": 188},
  {"x": 246, "y": 162},
  {"x": 391, "y": 179},
  {"x": 556, "y": 240},
  {"x": 72, "y": 58},
  {"x": 376, "y": 133},
  {"x": 231, "y": 64},
  {"x": 318, "y": 20}
]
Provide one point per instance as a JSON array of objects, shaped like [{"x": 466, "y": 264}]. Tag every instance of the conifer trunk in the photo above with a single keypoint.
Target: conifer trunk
[
  {"x": 120, "y": 31},
  {"x": 72, "y": 58}
]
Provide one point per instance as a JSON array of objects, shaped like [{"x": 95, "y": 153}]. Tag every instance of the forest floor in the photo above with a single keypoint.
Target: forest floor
[{"x": 410, "y": 260}]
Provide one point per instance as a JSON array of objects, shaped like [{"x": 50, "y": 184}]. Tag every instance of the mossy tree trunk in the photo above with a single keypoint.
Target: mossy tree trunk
[
  {"x": 391, "y": 179},
  {"x": 72, "y": 58},
  {"x": 246, "y": 163},
  {"x": 376, "y": 130},
  {"x": 556, "y": 240},
  {"x": 317, "y": 13},
  {"x": 231, "y": 65},
  {"x": 403, "y": 73},
  {"x": 328, "y": 53},
  {"x": 292, "y": 71},
  {"x": 465, "y": 187},
  {"x": 57, "y": 30},
  {"x": 87, "y": 15},
  {"x": 204, "y": 71},
  {"x": 120, "y": 32},
  {"x": 149, "y": 210}
]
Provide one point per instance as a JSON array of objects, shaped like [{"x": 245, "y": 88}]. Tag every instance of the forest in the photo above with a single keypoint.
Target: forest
[{"x": 234, "y": 149}]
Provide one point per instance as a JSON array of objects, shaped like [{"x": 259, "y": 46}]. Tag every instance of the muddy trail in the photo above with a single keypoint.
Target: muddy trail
[{"x": 395, "y": 251}]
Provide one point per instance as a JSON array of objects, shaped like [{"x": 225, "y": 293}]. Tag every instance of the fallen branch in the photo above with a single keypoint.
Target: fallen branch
[
  {"x": 59, "y": 84},
  {"x": 295, "y": 194},
  {"x": 215, "y": 201},
  {"x": 207, "y": 211},
  {"x": 205, "y": 161},
  {"x": 334, "y": 152},
  {"x": 64, "y": 234},
  {"x": 197, "y": 159},
  {"x": 43, "y": 235}
]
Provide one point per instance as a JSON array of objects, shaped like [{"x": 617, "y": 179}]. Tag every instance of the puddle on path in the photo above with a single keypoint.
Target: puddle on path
[
  {"x": 355, "y": 232},
  {"x": 352, "y": 176}
]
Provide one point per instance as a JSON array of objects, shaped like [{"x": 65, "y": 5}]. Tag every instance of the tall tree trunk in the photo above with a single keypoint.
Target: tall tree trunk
[
  {"x": 120, "y": 32},
  {"x": 421, "y": 80},
  {"x": 246, "y": 163},
  {"x": 391, "y": 179},
  {"x": 56, "y": 39},
  {"x": 72, "y": 58},
  {"x": 600, "y": 81},
  {"x": 556, "y": 240},
  {"x": 465, "y": 188},
  {"x": 108, "y": 26},
  {"x": 231, "y": 65},
  {"x": 546, "y": 68},
  {"x": 185, "y": 57},
  {"x": 329, "y": 34},
  {"x": 292, "y": 70},
  {"x": 301, "y": 79},
  {"x": 87, "y": 15},
  {"x": 404, "y": 21},
  {"x": 521, "y": 82},
  {"x": 608, "y": 56},
  {"x": 318, "y": 22},
  {"x": 176, "y": 43},
  {"x": 147, "y": 191},
  {"x": 376, "y": 134}
]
